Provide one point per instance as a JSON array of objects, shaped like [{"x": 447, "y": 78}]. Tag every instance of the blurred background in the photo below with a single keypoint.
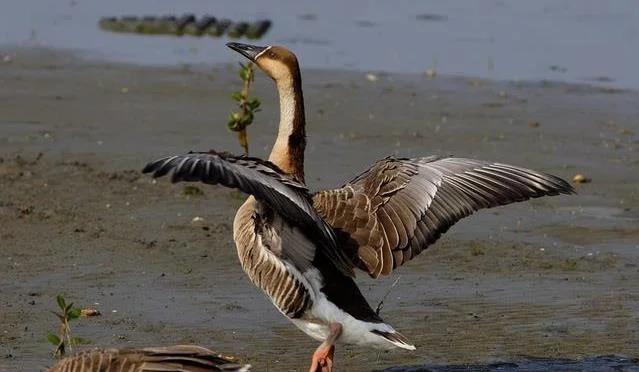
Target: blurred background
[{"x": 568, "y": 40}]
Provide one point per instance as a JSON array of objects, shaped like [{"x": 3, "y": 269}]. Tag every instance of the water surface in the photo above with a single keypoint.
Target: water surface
[{"x": 579, "y": 41}]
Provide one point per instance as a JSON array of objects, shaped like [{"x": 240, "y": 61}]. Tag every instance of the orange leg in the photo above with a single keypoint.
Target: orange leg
[{"x": 323, "y": 356}]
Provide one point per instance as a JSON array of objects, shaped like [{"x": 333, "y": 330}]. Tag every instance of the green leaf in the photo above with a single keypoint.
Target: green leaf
[
  {"x": 61, "y": 303},
  {"x": 74, "y": 313},
  {"x": 68, "y": 308},
  {"x": 245, "y": 73},
  {"x": 247, "y": 119},
  {"x": 237, "y": 96},
  {"x": 232, "y": 125},
  {"x": 254, "y": 103},
  {"x": 235, "y": 116},
  {"x": 53, "y": 339}
]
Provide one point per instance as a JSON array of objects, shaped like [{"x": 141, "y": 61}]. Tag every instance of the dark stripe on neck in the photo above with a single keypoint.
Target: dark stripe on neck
[{"x": 297, "y": 138}]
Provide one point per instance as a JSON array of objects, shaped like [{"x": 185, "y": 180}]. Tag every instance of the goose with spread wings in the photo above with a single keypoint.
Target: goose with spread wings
[{"x": 302, "y": 248}]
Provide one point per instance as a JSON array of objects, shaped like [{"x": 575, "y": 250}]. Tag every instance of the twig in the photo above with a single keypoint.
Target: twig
[
  {"x": 245, "y": 108},
  {"x": 381, "y": 302},
  {"x": 238, "y": 121}
]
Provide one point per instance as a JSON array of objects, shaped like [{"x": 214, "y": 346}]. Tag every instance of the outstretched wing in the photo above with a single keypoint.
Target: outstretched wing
[
  {"x": 398, "y": 207},
  {"x": 263, "y": 180}
]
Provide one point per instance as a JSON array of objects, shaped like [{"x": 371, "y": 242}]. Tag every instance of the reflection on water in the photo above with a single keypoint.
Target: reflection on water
[{"x": 571, "y": 40}]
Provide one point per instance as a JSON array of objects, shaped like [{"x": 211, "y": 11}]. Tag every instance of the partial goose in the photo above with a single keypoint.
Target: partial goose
[
  {"x": 180, "y": 358},
  {"x": 301, "y": 248}
]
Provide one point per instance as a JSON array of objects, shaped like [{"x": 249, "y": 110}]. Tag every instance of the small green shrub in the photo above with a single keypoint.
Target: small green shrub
[
  {"x": 239, "y": 120},
  {"x": 63, "y": 340}
]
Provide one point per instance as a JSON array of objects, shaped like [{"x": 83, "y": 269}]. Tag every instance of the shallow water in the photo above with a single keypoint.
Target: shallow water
[{"x": 570, "y": 40}]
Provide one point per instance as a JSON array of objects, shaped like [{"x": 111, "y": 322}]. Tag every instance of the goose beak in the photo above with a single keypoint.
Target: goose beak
[{"x": 248, "y": 51}]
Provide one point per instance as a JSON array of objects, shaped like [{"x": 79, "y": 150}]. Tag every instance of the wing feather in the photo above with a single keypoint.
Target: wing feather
[
  {"x": 389, "y": 227},
  {"x": 416, "y": 200},
  {"x": 267, "y": 183}
]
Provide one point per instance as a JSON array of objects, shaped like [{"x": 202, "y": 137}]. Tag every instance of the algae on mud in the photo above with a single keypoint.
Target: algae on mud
[{"x": 555, "y": 278}]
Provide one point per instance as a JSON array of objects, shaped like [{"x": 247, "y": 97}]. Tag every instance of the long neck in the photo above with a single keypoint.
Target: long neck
[{"x": 288, "y": 151}]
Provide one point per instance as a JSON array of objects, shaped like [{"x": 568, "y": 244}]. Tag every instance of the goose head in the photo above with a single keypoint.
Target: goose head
[{"x": 277, "y": 62}]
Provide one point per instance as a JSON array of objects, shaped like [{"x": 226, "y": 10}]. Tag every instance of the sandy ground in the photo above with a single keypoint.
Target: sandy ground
[{"x": 555, "y": 277}]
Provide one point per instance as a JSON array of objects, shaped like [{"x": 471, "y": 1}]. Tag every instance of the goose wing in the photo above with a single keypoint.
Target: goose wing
[
  {"x": 398, "y": 207},
  {"x": 266, "y": 182},
  {"x": 180, "y": 358}
]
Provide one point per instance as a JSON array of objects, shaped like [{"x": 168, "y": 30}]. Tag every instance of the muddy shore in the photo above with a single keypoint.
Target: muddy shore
[{"x": 556, "y": 277}]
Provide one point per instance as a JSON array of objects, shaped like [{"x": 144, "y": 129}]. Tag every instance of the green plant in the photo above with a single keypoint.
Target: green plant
[
  {"x": 63, "y": 340},
  {"x": 238, "y": 121}
]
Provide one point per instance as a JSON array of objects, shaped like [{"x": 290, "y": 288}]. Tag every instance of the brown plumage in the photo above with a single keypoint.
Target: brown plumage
[
  {"x": 301, "y": 249},
  {"x": 260, "y": 256},
  {"x": 276, "y": 191},
  {"x": 398, "y": 207},
  {"x": 179, "y": 358},
  {"x": 288, "y": 151}
]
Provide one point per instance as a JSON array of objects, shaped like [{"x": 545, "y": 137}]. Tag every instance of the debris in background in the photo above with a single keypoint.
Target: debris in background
[
  {"x": 187, "y": 24},
  {"x": 257, "y": 29},
  {"x": 236, "y": 30},
  {"x": 557, "y": 68},
  {"x": 191, "y": 190},
  {"x": 580, "y": 178},
  {"x": 307, "y": 17},
  {"x": 431, "y": 17},
  {"x": 89, "y": 312}
]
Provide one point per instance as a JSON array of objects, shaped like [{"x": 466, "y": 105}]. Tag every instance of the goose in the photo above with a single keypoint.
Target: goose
[
  {"x": 302, "y": 248},
  {"x": 178, "y": 358}
]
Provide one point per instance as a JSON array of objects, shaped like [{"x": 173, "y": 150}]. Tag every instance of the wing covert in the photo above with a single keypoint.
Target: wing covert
[
  {"x": 266, "y": 182},
  {"x": 398, "y": 207}
]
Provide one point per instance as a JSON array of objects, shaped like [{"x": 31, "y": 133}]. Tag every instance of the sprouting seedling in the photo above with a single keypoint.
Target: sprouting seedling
[
  {"x": 63, "y": 340},
  {"x": 238, "y": 121}
]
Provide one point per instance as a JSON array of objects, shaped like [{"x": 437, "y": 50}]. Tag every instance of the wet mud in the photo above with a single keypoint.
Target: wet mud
[
  {"x": 552, "y": 278},
  {"x": 592, "y": 364}
]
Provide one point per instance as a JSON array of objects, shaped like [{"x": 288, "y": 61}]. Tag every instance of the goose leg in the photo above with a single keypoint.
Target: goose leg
[{"x": 323, "y": 356}]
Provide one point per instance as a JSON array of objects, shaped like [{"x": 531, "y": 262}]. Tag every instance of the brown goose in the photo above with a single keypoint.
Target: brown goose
[
  {"x": 301, "y": 248},
  {"x": 179, "y": 358}
]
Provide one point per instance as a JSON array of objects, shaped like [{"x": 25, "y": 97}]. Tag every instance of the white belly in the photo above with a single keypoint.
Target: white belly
[
  {"x": 317, "y": 319},
  {"x": 354, "y": 331}
]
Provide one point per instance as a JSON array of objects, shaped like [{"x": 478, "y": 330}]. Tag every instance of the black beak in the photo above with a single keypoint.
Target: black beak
[{"x": 248, "y": 51}]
